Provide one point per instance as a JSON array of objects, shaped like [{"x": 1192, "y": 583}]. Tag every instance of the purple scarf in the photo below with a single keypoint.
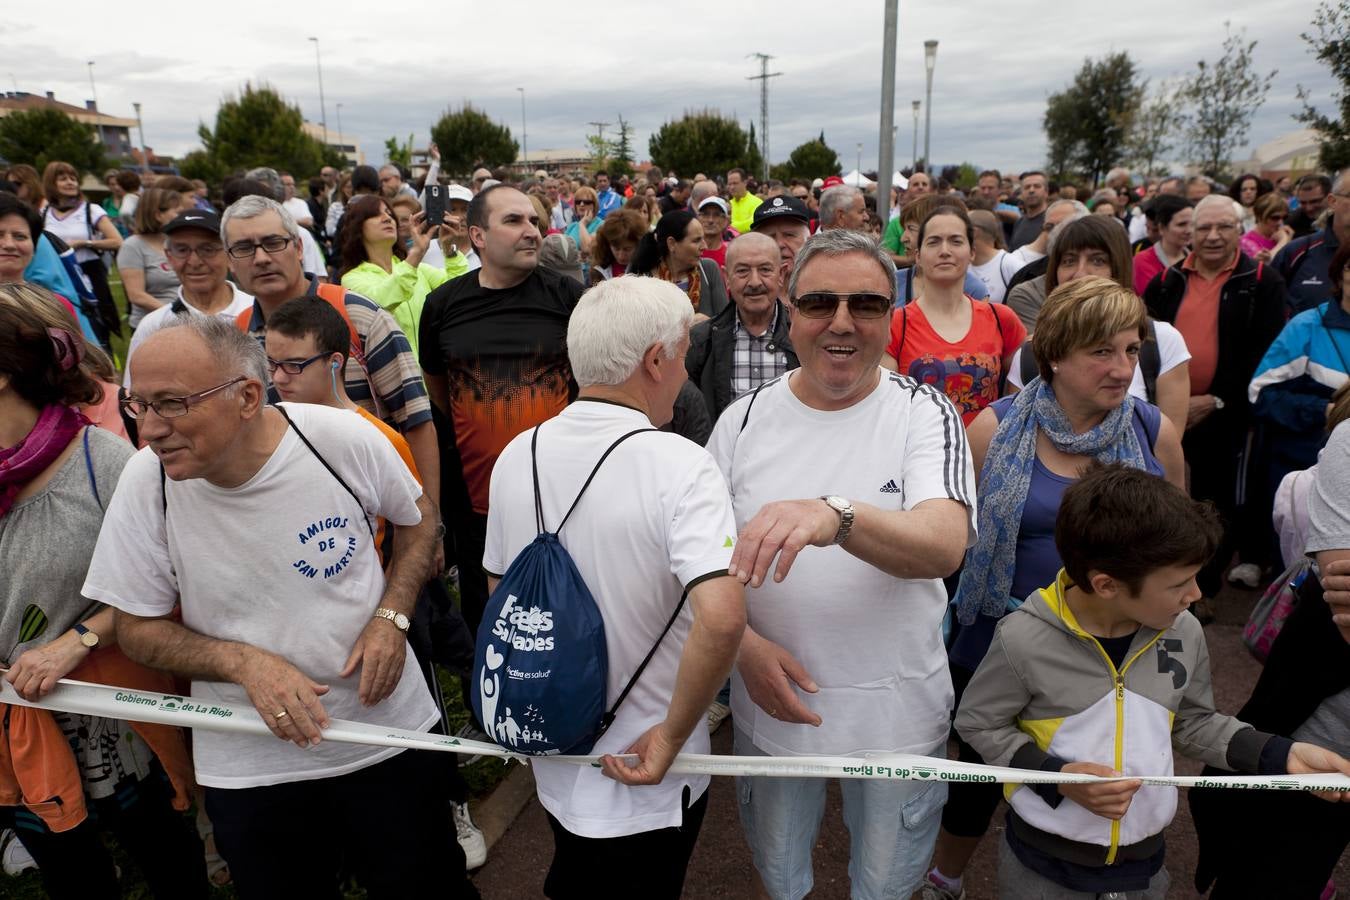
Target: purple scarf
[{"x": 56, "y": 427}]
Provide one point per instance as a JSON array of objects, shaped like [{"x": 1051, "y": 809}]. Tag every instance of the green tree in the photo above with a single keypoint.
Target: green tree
[
  {"x": 1089, "y": 122},
  {"x": 813, "y": 159},
  {"x": 259, "y": 128},
  {"x": 398, "y": 154},
  {"x": 620, "y": 150},
  {"x": 1060, "y": 132},
  {"x": 967, "y": 176},
  {"x": 199, "y": 164},
  {"x": 1331, "y": 46},
  {"x": 1224, "y": 96},
  {"x": 703, "y": 141},
  {"x": 753, "y": 160},
  {"x": 1156, "y": 127},
  {"x": 599, "y": 152},
  {"x": 39, "y": 136},
  {"x": 468, "y": 138}
]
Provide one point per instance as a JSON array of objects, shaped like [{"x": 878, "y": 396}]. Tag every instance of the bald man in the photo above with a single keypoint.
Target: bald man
[{"x": 746, "y": 344}]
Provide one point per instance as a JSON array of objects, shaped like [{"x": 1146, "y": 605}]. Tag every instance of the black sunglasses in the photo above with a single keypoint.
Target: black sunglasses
[{"x": 823, "y": 305}]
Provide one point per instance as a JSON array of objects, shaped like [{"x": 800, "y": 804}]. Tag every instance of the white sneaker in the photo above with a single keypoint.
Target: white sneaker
[
  {"x": 717, "y": 714},
  {"x": 14, "y": 855},
  {"x": 1248, "y": 574},
  {"x": 470, "y": 838}
]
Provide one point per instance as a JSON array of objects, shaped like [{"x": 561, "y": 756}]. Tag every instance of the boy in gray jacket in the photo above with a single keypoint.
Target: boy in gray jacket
[{"x": 1104, "y": 672}]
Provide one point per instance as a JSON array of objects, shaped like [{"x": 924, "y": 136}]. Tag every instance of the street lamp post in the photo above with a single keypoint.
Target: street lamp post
[
  {"x": 914, "y": 155},
  {"x": 323, "y": 107},
  {"x": 886, "y": 137},
  {"x": 929, "y": 61},
  {"x": 859, "y": 157},
  {"x": 93, "y": 95},
  {"x": 140, "y": 130},
  {"x": 524, "y": 135},
  {"x": 342, "y": 141}
]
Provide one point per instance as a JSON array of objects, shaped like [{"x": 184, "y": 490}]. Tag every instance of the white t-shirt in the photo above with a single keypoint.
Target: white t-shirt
[
  {"x": 1172, "y": 352},
  {"x": 298, "y": 209},
  {"x": 656, "y": 519},
  {"x": 313, "y": 260},
  {"x": 871, "y": 641},
  {"x": 283, "y": 562},
  {"x": 158, "y": 318},
  {"x": 75, "y": 227},
  {"x": 1001, "y": 268}
]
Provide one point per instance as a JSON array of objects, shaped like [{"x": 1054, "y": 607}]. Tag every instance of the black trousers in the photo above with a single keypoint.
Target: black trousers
[
  {"x": 650, "y": 865},
  {"x": 111, "y": 319},
  {"x": 389, "y": 825},
  {"x": 970, "y": 807},
  {"x": 75, "y": 864},
  {"x": 1214, "y": 452}
]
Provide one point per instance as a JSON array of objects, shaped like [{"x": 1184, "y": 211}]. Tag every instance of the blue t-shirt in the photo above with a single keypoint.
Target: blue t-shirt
[{"x": 974, "y": 286}]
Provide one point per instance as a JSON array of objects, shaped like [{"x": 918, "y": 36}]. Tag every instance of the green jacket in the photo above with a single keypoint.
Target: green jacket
[{"x": 403, "y": 291}]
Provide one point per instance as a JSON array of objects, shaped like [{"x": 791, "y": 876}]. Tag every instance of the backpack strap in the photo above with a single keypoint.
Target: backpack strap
[
  {"x": 336, "y": 295},
  {"x": 746, "y": 418},
  {"x": 89, "y": 468},
  {"x": 331, "y": 471},
  {"x": 1150, "y": 363},
  {"x": 534, "y": 465},
  {"x": 608, "y": 718}
]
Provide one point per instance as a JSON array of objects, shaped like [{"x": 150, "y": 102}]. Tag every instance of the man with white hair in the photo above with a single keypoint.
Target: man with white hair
[
  {"x": 843, "y": 206},
  {"x": 659, "y": 506},
  {"x": 1229, "y": 309},
  {"x": 854, "y": 496},
  {"x": 295, "y": 618},
  {"x": 392, "y": 183}
]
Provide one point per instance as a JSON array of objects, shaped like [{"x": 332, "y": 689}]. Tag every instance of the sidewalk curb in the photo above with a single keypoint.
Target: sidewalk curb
[{"x": 498, "y": 810}]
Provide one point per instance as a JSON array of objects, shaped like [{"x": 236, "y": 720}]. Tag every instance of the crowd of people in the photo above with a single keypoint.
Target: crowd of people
[{"x": 965, "y": 466}]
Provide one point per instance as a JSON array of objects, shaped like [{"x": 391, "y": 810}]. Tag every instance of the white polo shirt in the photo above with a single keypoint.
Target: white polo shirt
[
  {"x": 656, "y": 520},
  {"x": 871, "y": 641}
]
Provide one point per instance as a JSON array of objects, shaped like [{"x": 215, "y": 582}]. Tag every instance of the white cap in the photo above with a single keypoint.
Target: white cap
[{"x": 720, "y": 203}]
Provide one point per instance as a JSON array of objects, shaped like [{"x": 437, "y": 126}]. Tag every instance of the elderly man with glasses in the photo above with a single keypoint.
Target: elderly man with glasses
[
  {"x": 196, "y": 255},
  {"x": 843, "y": 564},
  {"x": 257, "y": 519},
  {"x": 381, "y": 375}
]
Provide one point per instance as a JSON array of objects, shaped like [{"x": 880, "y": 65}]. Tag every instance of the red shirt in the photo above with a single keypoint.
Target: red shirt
[
  {"x": 718, "y": 256},
  {"x": 969, "y": 370}
]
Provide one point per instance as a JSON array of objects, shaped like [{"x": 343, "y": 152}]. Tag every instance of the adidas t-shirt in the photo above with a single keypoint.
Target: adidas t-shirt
[
  {"x": 283, "y": 562},
  {"x": 655, "y": 520},
  {"x": 871, "y": 641}
]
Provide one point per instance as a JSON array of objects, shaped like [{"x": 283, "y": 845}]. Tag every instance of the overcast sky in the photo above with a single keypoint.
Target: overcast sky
[{"x": 996, "y": 63}]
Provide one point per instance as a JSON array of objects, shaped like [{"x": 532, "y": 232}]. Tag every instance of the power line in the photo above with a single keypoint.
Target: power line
[{"x": 763, "y": 79}]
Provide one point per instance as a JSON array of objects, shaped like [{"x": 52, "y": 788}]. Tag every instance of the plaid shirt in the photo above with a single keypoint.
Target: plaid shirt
[{"x": 755, "y": 360}]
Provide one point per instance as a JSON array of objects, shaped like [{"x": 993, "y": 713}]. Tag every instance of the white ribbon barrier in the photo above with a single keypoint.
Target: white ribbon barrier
[{"x": 186, "y": 712}]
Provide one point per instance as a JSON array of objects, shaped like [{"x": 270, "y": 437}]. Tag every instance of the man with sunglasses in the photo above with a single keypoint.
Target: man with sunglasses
[
  {"x": 854, "y": 496},
  {"x": 196, "y": 255},
  {"x": 259, "y": 520}
]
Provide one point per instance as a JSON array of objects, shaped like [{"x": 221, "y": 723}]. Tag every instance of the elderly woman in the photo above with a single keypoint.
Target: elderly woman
[
  {"x": 615, "y": 242},
  {"x": 150, "y": 282},
  {"x": 1095, "y": 247},
  {"x": 86, "y": 229},
  {"x": 946, "y": 337},
  {"x": 1269, "y": 235},
  {"x": 1028, "y": 449},
  {"x": 375, "y": 262},
  {"x": 94, "y": 775},
  {"x": 585, "y": 222},
  {"x": 674, "y": 253}
]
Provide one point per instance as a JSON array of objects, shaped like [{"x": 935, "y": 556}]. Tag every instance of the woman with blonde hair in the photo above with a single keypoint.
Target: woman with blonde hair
[{"x": 585, "y": 221}]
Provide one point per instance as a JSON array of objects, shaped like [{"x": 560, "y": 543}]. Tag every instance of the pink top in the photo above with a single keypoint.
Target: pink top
[
  {"x": 1147, "y": 265},
  {"x": 1253, "y": 242}
]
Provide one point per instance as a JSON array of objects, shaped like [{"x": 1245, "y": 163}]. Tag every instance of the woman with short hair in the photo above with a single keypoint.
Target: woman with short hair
[
  {"x": 615, "y": 242},
  {"x": 585, "y": 222},
  {"x": 1270, "y": 233}
]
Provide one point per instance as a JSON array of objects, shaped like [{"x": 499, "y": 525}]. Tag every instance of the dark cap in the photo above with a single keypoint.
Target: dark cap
[
  {"x": 780, "y": 208},
  {"x": 203, "y": 219}
]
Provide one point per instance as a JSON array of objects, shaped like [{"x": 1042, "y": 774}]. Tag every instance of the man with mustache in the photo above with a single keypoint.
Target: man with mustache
[
  {"x": 747, "y": 343},
  {"x": 493, "y": 344}
]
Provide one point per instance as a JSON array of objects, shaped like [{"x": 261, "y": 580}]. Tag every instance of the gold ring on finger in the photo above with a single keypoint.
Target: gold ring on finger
[{"x": 280, "y": 715}]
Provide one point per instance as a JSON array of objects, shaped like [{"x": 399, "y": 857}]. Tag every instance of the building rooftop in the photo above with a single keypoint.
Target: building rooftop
[{"x": 21, "y": 101}]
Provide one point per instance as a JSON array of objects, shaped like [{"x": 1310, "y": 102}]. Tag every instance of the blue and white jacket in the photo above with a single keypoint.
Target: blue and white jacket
[{"x": 1305, "y": 365}]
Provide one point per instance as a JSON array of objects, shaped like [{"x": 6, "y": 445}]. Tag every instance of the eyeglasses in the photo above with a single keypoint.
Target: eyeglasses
[
  {"x": 273, "y": 243},
  {"x": 292, "y": 368},
  {"x": 822, "y": 305},
  {"x": 171, "y": 407},
  {"x": 204, "y": 251}
]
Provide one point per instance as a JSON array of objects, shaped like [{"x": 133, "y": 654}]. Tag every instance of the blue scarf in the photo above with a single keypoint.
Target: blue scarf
[{"x": 1006, "y": 477}]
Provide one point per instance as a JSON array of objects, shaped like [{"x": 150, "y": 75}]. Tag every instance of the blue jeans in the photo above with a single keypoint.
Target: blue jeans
[{"x": 892, "y": 828}]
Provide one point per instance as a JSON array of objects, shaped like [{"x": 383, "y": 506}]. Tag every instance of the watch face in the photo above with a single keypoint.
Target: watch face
[
  {"x": 401, "y": 621},
  {"x": 89, "y": 639}
]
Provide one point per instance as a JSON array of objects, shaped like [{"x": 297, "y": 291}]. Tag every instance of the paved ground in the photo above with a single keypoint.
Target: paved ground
[{"x": 721, "y": 864}]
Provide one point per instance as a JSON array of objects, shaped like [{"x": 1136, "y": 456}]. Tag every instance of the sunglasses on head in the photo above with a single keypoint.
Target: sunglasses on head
[{"x": 823, "y": 305}]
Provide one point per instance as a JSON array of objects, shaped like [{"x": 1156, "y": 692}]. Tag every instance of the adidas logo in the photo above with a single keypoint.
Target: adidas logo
[{"x": 891, "y": 487}]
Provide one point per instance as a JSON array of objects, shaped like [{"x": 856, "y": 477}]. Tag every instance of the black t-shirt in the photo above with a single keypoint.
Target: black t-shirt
[
  {"x": 504, "y": 352},
  {"x": 1027, "y": 229}
]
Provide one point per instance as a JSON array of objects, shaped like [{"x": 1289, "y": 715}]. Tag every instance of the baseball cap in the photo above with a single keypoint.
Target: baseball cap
[
  {"x": 832, "y": 181},
  {"x": 194, "y": 218},
  {"x": 780, "y": 208},
  {"x": 459, "y": 192},
  {"x": 718, "y": 201}
]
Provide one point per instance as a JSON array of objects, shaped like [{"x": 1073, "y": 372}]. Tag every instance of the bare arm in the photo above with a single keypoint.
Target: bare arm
[
  {"x": 979, "y": 434},
  {"x": 133, "y": 280},
  {"x": 426, "y": 453},
  {"x": 1174, "y": 392},
  {"x": 37, "y": 671},
  {"x": 1335, "y": 568},
  {"x": 709, "y": 653},
  {"x": 109, "y": 241},
  {"x": 1168, "y": 450}
]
